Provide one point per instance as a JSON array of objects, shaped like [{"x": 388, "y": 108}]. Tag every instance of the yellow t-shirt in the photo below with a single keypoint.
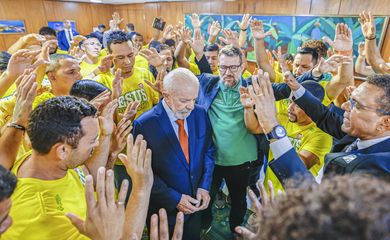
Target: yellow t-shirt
[
  {"x": 309, "y": 138},
  {"x": 42, "y": 98},
  {"x": 39, "y": 207},
  {"x": 10, "y": 91},
  {"x": 141, "y": 62},
  {"x": 6, "y": 110},
  {"x": 86, "y": 68},
  {"x": 134, "y": 88}
]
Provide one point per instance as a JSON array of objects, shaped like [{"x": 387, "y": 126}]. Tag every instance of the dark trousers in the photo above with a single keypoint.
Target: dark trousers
[
  {"x": 237, "y": 181},
  {"x": 192, "y": 227}
]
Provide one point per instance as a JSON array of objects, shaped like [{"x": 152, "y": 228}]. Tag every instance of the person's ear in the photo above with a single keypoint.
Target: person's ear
[
  {"x": 384, "y": 124},
  {"x": 62, "y": 150},
  {"x": 51, "y": 76}
]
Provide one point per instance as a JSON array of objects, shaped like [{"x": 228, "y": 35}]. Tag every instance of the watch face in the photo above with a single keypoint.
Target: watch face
[{"x": 280, "y": 132}]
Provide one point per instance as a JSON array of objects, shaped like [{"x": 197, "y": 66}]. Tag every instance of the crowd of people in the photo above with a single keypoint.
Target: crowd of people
[{"x": 106, "y": 135}]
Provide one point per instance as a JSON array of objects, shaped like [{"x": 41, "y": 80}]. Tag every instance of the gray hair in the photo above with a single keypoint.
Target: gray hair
[
  {"x": 231, "y": 51},
  {"x": 174, "y": 79},
  {"x": 55, "y": 61}
]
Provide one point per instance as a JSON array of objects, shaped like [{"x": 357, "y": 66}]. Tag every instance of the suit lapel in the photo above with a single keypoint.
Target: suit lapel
[
  {"x": 191, "y": 137},
  {"x": 167, "y": 128}
]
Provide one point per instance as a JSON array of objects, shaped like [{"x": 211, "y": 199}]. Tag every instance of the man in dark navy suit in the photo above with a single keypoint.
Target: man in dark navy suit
[
  {"x": 66, "y": 36},
  {"x": 363, "y": 130},
  {"x": 180, "y": 136}
]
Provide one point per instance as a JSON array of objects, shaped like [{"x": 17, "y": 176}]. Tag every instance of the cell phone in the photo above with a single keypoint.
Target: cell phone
[{"x": 158, "y": 24}]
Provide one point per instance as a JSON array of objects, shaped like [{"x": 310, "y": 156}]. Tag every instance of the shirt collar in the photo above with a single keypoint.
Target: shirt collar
[{"x": 362, "y": 144}]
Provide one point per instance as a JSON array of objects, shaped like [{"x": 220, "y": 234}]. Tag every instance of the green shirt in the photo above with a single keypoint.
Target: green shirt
[{"x": 234, "y": 144}]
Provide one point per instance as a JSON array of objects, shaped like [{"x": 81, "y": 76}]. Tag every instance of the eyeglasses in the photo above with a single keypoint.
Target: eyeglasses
[
  {"x": 232, "y": 68},
  {"x": 354, "y": 104}
]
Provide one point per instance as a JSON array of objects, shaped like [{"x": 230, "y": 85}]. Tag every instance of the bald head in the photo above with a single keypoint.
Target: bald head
[
  {"x": 180, "y": 91},
  {"x": 180, "y": 79}
]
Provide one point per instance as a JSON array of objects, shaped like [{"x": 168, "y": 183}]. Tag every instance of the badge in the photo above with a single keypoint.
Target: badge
[{"x": 349, "y": 158}]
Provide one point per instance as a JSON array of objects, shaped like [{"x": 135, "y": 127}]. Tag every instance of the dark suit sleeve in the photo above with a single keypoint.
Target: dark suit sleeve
[
  {"x": 61, "y": 38},
  {"x": 328, "y": 121},
  {"x": 208, "y": 170},
  {"x": 281, "y": 91},
  {"x": 290, "y": 165},
  {"x": 203, "y": 65},
  {"x": 168, "y": 197}
]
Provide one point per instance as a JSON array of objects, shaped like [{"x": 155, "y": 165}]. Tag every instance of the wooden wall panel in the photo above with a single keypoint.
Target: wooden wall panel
[
  {"x": 36, "y": 13},
  {"x": 325, "y": 7},
  {"x": 379, "y": 7}
]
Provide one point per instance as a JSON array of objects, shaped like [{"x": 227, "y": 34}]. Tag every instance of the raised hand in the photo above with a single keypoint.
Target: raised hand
[
  {"x": 262, "y": 94},
  {"x": 215, "y": 29},
  {"x": 116, "y": 18},
  {"x": 257, "y": 30},
  {"x": 33, "y": 39},
  {"x": 105, "y": 216},
  {"x": 101, "y": 100},
  {"x": 118, "y": 140},
  {"x": 367, "y": 24},
  {"x": 230, "y": 37},
  {"x": 331, "y": 63},
  {"x": 26, "y": 92},
  {"x": 21, "y": 60},
  {"x": 77, "y": 53},
  {"x": 196, "y": 22},
  {"x": 117, "y": 84},
  {"x": 153, "y": 57},
  {"x": 246, "y": 18},
  {"x": 105, "y": 64},
  {"x": 245, "y": 98},
  {"x": 131, "y": 111},
  {"x": 197, "y": 44},
  {"x": 342, "y": 43},
  {"x": 168, "y": 33},
  {"x": 185, "y": 35},
  {"x": 291, "y": 81},
  {"x": 158, "y": 84},
  {"x": 159, "y": 226},
  {"x": 106, "y": 118},
  {"x": 78, "y": 39},
  {"x": 138, "y": 163}
]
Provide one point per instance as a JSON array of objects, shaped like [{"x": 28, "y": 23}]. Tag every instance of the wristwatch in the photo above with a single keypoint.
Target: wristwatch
[{"x": 277, "y": 132}]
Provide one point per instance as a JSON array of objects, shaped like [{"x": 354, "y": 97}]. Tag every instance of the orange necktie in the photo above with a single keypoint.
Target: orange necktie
[{"x": 183, "y": 138}]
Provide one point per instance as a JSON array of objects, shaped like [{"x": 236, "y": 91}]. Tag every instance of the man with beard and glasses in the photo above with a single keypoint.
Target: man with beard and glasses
[{"x": 179, "y": 134}]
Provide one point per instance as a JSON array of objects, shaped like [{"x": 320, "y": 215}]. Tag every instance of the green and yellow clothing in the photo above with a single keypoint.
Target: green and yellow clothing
[
  {"x": 141, "y": 62},
  {"x": 226, "y": 115},
  {"x": 134, "y": 88},
  {"x": 39, "y": 206}
]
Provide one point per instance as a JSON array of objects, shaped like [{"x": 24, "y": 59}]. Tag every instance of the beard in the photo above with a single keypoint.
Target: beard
[
  {"x": 182, "y": 114},
  {"x": 292, "y": 117}
]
